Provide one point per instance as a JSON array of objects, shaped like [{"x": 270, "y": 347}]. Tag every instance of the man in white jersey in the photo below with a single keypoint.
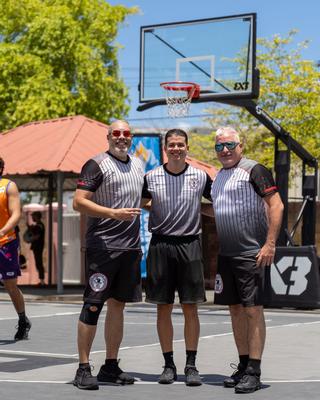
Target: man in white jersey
[
  {"x": 109, "y": 193},
  {"x": 174, "y": 260},
  {"x": 248, "y": 214}
]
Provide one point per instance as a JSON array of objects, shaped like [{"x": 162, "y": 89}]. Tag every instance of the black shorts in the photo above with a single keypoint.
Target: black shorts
[
  {"x": 113, "y": 274},
  {"x": 175, "y": 263},
  {"x": 239, "y": 281}
]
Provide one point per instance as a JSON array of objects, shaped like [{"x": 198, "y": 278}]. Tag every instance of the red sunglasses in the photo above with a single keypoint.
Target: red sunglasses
[{"x": 117, "y": 133}]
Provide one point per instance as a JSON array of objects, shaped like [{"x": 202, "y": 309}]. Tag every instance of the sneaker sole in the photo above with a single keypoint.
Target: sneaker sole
[
  {"x": 166, "y": 382},
  {"x": 114, "y": 383},
  {"x": 104, "y": 383},
  {"x": 92, "y": 387},
  {"x": 247, "y": 390},
  {"x": 229, "y": 385},
  {"x": 193, "y": 383}
]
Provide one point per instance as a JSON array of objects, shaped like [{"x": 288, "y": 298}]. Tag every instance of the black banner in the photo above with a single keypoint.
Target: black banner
[{"x": 293, "y": 280}]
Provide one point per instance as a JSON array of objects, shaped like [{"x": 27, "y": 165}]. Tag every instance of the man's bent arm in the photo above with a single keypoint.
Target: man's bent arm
[{"x": 82, "y": 202}]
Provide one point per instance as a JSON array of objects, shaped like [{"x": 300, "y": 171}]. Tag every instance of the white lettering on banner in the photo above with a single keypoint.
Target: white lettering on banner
[{"x": 298, "y": 282}]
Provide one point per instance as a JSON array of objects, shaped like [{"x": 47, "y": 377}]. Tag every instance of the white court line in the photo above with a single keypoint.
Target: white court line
[
  {"x": 296, "y": 324},
  {"x": 146, "y": 345},
  {"x": 206, "y": 337},
  {"x": 140, "y": 382},
  {"x": 42, "y": 316},
  {"x": 37, "y": 353}
]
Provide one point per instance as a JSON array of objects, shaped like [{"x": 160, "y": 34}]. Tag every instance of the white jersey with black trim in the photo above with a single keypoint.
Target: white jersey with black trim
[
  {"x": 176, "y": 200},
  {"x": 115, "y": 184},
  {"x": 239, "y": 209}
]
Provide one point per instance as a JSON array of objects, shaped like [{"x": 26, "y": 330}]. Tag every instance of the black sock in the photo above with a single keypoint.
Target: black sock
[
  {"x": 111, "y": 362},
  {"x": 22, "y": 316},
  {"x": 254, "y": 366},
  {"x": 191, "y": 357},
  {"x": 84, "y": 365},
  {"x": 244, "y": 360},
  {"x": 168, "y": 359}
]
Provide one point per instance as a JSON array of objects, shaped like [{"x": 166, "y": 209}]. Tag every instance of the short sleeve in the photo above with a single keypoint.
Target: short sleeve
[
  {"x": 90, "y": 177},
  {"x": 145, "y": 192},
  {"x": 207, "y": 189},
  {"x": 262, "y": 181}
]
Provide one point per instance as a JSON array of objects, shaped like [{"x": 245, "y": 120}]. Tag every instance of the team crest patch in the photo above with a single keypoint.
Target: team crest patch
[
  {"x": 194, "y": 183},
  {"x": 218, "y": 286},
  {"x": 98, "y": 282}
]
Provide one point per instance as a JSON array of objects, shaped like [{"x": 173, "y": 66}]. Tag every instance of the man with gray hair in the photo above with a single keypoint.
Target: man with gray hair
[{"x": 248, "y": 214}]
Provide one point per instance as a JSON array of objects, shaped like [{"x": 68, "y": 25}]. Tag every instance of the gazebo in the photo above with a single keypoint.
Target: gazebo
[{"x": 48, "y": 156}]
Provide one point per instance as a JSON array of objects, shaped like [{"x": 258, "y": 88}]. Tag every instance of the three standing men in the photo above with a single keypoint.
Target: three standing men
[
  {"x": 248, "y": 214},
  {"x": 109, "y": 193}
]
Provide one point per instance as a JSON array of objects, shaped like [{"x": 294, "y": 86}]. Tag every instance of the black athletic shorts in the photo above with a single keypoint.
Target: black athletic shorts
[
  {"x": 239, "y": 281},
  {"x": 113, "y": 274},
  {"x": 175, "y": 263}
]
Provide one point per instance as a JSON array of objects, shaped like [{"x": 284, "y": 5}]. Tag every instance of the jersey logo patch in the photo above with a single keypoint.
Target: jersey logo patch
[
  {"x": 194, "y": 183},
  {"x": 98, "y": 282},
  {"x": 218, "y": 285}
]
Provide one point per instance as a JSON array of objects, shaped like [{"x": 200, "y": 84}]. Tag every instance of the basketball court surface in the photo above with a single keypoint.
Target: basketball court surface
[
  {"x": 43, "y": 367},
  {"x": 219, "y": 55}
]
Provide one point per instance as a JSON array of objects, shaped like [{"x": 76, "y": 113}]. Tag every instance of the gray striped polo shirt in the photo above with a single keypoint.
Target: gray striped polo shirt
[
  {"x": 240, "y": 211},
  {"x": 115, "y": 184},
  {"x": 176, "y": 200}
]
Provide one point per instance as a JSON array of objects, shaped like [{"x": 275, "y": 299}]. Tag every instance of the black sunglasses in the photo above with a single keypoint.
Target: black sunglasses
[{"x": 229, "y": 145}]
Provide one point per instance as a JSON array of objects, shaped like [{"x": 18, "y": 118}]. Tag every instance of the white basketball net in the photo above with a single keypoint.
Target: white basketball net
[{"x": 178, "y": 99}]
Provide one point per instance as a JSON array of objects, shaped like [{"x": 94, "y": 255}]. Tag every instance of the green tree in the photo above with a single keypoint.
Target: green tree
[
  {"x": 58, "y": 58},
  {"x": 289, "y": 92}
]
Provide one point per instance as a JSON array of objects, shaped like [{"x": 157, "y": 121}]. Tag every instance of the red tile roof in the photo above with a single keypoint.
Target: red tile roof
[{"x": 62, "y": 144}]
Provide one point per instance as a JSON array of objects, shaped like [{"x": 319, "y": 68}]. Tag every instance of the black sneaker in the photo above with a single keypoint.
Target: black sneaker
[
  {"x": 23, "y": 329},
  {"x": 235, "y": 378},
  {"x": 192, "y": 376},
  {"x": 114, "y": 376},
  {"x": 84, "y": 379},
  {"x": 249, "y": 383},
  {"x": 169, "y": 375}
]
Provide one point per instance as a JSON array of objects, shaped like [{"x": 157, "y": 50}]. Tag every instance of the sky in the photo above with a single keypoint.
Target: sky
[{"x": 273, "y": 17}]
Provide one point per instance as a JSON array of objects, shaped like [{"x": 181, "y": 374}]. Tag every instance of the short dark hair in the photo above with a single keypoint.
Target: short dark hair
[
  {"x": 1, "y": 165},
  {"x": 37, "y": 214},
  {"x": 175, "y": 132}
]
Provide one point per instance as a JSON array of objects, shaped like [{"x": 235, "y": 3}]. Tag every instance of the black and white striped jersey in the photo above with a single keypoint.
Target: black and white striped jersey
[
  {"x": 115, "y": 184},
  {"x": 240, "y": 211},
  {"x": 176, "y": 200}
]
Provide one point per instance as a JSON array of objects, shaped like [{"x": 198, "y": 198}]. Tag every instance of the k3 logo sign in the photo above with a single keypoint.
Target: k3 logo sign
[{"x": 288, "y": 275}]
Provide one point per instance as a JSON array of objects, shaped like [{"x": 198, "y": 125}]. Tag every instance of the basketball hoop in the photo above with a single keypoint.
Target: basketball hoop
[{"x": 179, "y": 96}]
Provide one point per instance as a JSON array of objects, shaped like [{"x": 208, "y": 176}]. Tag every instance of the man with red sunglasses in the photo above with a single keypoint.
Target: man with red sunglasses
[
  {"x": 109, "y": 193},
  {"x": 248, "y": 214}
]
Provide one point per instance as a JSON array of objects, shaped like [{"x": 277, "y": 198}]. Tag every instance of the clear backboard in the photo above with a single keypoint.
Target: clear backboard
[{"x": 219, "y": 54}]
